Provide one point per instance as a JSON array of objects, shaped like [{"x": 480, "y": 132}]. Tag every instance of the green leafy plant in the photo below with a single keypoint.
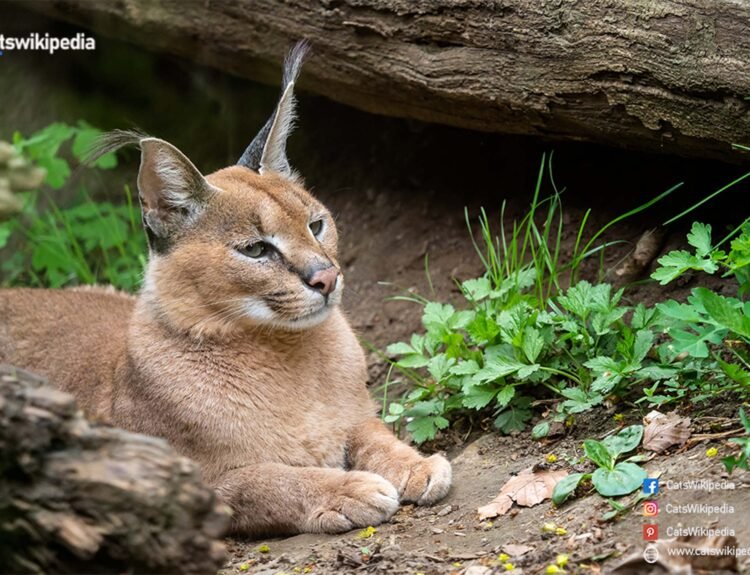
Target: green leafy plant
[
  {"x": 82, "y": 243},
  {"x": 522, "y": 335},
  {"x": 710, "y": 332},
  {"x": 612, "y": 478},
  {"x": 740, "y": 461}
]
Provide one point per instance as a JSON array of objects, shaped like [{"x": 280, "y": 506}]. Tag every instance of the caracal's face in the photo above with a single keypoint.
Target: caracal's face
[{"x": 261, "y": 253}]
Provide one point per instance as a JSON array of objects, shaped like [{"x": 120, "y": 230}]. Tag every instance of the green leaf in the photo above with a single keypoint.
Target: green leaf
[
  {"x": 422, "y": 429},
  {"x": 515, "y": 416},
  {"x": 598, "y": 453},
  {"x": 483, "y": 329},
  {"x": 395, "y": 408},
  {"x": 413, "y": 361},
  {"x": 400, "y": 348},
  {"x": 577, "y": 299},
  {"x": 46, "y": 142},
  {"x": 606, "y": 382},
  {"x": 497, "y": 367},
  {"x": 735, "y": 373},
  {"x": 84, "y": 140},
  {"x": 724, "y": 311},
  {"x": 533, "y": 343},
  {"x": 625, "y": 441},
  {"x": 656, "y": 372},
  {"x": 680, "y": 311},
  {"x": 478, "y": 396},
  {"x": 477, "y": 289},
  {"x": 439, "y": 366},
  {"x": 700, "y": 238},
  {"x": 437, "y": 314},
  {"x": 425, "y": 408},
  {"x": 602, "y": 364},
  {"x": 540, "y": 430},
  {"x": 395, "y": 412},
  {"x": 58, "y": 171},
  {"x": 745, "y": 420},
  {"x": 642, "y": 316},
  {"x": 644, "y": 339},
  {"x": 604, "y": 322},
  {"x": 469, "y": 367},
  {"x": 623, "y": 479},
  {"x": 695, "y": 344},
  {"x": 566, "y": 487},
  {"x": 527, "y": 370},
  {"x": 578, "y": 400},
  {"x": 676, "y": 263},
  {"x": 505, "y": 395},
  {"x": 6, "y": 230}
]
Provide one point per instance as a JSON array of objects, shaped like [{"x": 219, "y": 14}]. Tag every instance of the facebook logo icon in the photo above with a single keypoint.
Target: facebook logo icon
[{"x": 651, "y": 486}]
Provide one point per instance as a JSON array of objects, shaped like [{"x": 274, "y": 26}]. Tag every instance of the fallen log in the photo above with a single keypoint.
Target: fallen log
[
  {"x": 77, "y": 498},
  {"x": 666, "y": 75}
]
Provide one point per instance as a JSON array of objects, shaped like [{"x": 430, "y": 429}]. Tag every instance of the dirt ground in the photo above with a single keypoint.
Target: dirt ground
[{"x": 450, "y": 538}]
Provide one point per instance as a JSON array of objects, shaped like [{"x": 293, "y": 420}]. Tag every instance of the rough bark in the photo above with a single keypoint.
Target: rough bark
[
  {"x": 76, "y": 498},
  {"x": 668, "y": 75}
]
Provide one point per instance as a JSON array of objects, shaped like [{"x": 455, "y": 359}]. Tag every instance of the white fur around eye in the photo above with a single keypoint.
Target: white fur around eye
[{"x": 281, "y": 246}]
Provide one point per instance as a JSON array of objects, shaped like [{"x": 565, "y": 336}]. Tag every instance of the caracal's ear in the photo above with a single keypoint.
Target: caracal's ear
[
  {"x": 267, "y": 151},
  {"x": 171, "y": 189}
]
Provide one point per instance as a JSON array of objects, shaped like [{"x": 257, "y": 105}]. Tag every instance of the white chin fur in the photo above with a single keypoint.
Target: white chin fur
[{"x": 260, "y": 313}]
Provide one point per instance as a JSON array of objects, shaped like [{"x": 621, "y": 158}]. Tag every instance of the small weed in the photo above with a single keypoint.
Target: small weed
[
  {"x": 612, "y": 478},
  {"x": 709, "y": 335}
]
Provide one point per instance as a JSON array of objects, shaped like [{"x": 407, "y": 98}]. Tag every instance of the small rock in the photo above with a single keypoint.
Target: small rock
[{"x": 445, "y": 511}]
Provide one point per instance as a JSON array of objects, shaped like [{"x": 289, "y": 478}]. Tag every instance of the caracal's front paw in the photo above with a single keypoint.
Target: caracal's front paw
[
  {"x": 429, "y": 480},
  {"x": 358, "y": 499}
]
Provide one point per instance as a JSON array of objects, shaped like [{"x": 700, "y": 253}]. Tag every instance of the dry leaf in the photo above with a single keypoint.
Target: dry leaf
[
  {"x": 664, "y": 431},
  {"x": 682, "y": 555},
  {"x": 529, "y": 488}
]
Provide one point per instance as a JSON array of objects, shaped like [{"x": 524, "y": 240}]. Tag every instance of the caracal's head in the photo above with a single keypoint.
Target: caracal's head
[{"x": 244, "y": 247}]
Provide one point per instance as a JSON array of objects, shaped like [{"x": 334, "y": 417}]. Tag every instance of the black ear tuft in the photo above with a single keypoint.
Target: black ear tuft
[{"x": 267, "y": 151}]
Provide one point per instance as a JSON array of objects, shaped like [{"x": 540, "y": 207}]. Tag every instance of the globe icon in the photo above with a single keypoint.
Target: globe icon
[{"x": 651, "y": 554}]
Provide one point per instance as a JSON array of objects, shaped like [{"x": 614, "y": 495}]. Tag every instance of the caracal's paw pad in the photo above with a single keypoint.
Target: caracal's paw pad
[
  {"x": 359, "y": 500},
  {"x": 429, "y": 481}
]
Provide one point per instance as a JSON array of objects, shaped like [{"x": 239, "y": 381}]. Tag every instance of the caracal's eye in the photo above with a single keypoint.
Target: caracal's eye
[
  {"x": 316, "y": 227},
  {"x": 254, "y": 250}
]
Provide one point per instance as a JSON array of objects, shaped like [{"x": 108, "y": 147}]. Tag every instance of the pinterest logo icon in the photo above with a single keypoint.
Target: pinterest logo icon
[
  {"x": 650, "y": 508},
  {"x": 650, "y": 532}
]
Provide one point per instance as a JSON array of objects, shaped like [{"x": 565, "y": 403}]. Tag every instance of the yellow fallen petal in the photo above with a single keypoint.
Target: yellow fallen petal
[{"x": 367, "y": 532}]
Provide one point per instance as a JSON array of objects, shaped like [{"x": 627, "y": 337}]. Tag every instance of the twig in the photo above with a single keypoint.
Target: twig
[{"x": 707, "y": 436}]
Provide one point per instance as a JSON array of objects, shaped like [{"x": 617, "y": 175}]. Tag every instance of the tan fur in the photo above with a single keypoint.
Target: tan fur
[{"x": 237, "y": 362}]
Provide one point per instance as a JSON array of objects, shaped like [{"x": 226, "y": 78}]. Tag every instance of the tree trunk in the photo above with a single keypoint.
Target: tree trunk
[
  {"x": 81, "y": 499},
  {"x": 667, "y": 75}
]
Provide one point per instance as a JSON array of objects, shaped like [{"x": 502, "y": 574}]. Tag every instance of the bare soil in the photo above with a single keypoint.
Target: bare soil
[{"x": 449, "y": 538}]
